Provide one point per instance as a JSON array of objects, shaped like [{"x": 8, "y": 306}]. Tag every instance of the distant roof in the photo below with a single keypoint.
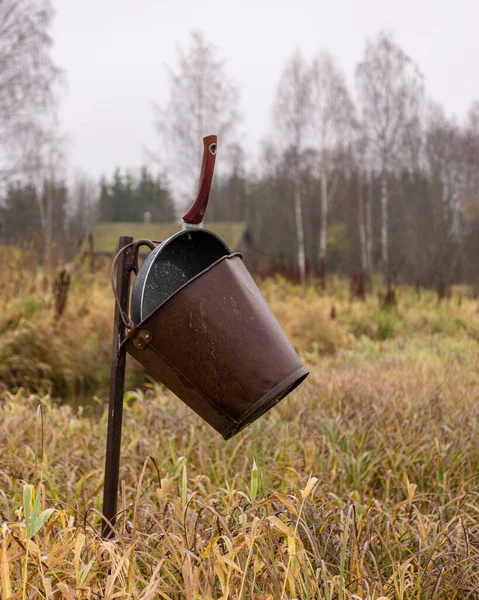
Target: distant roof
[
  {"x": 472, "y": 211},
  {"x": 106, "y": 235}
]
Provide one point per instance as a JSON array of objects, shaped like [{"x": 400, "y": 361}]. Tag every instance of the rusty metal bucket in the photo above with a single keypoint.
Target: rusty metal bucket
[
  {"x": 199, "y": 325},
  {"x": 215, "y": 344}
]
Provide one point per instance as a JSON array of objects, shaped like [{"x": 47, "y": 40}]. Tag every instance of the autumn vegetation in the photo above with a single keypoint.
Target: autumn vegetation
[
  {"x": 362, "y": 215},
  {"x": 362, "y": 484}
]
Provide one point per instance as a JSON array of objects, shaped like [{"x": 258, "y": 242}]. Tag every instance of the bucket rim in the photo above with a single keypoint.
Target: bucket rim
[
  {"x": 157, "y": 252},
  {"x": 297, "y": 377},
  {"x": 140, "y": 325},
  {"x": 191, "y": 230}
]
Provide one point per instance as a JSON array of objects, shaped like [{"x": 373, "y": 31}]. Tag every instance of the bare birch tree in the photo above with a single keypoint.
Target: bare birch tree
[
  {"x": 49, "y": 174},
  {"x": 437, "y": 224},
  {"x": 364, "y": 189},
  {"x": 292, "y": 113},
  {"x": 27, "y": 81},
  {"x": 390, "y": 90},
  {"x": 332, "y": 120},
  {"x": 202, "y": 100},
  {"x": 83, "y": 204},
  {"x": 471, "y": 151}
]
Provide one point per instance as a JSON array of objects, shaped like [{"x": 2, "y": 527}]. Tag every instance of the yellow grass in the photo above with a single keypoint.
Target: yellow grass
[{"x": 363, "y": 484}]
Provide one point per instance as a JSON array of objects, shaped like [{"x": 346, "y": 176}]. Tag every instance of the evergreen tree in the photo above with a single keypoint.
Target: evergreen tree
[
  {"x": 105, "y": 202},
  {"x": 20, "y": 214},
  {"x": 126, "y": 199},
  {"x": 54, "y": 200}
]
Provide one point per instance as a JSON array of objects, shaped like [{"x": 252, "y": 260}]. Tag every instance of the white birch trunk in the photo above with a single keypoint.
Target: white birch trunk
[
  {"x": 298, "y": 211},
  {"x": 368, "y": 222},
  {"x": 362, "y": 226},
  {"x": 49, "y": 226},
  {"x": 324, "y": 219},
  {"x": 384, "y": 224},
  {"x": 323, "y": 227}
]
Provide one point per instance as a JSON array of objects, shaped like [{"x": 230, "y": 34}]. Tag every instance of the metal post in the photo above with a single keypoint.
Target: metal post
[{"x": 117, "y": 388}]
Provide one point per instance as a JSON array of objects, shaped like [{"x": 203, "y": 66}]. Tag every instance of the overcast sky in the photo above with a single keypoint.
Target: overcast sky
[{"x": 114, "y": 53}]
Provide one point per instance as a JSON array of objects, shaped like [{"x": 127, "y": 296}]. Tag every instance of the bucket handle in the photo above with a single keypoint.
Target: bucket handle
[{"x": 127, "y": 322}]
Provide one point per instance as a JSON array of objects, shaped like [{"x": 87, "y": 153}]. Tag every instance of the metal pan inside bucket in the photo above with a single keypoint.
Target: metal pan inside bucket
[{"x": 170, "y": 265}]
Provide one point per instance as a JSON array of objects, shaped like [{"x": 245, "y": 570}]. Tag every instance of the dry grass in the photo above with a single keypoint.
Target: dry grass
[{"x": 363, "y": 484}]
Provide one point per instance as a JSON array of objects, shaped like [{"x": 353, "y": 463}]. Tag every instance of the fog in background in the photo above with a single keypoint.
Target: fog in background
[
  {"x": 348, "y": 132},
  {"x": 115, "y": 54}
]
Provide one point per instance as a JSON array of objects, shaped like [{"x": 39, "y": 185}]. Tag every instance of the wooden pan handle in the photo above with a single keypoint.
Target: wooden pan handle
[{"x": 195, "y": 214}]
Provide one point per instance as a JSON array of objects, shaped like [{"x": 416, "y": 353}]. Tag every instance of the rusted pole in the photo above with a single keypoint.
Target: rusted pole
[{"x": 117, "y": 388}]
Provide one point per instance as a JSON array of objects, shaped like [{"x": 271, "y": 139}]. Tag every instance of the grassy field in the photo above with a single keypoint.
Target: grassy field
[{"x": 363, "y": 484}]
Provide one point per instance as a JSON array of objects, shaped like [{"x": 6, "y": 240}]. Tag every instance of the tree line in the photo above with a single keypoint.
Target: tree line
[
  {"x": 128, "y": 198},
  {"x": 372, "y": 177},
  {"x": 354, "y": 176},
  {"x": 64, "y": 215}
]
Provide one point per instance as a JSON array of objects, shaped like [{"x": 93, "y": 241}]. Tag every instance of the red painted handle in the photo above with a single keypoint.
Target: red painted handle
[{"x": 195, "y": 214}]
